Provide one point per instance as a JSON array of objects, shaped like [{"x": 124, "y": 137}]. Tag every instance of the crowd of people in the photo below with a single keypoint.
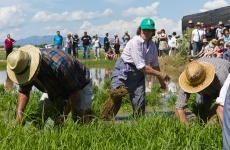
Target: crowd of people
[
  {"x": 68, "y": 83},
  {"x": 71, "y": 45}
]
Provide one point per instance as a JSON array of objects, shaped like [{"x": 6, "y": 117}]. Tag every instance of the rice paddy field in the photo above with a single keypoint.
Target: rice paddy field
[{"x": 158, "y": 129}]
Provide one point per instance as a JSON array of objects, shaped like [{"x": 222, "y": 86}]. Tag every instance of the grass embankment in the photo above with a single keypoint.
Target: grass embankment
[{"x": 152, "y": 132}]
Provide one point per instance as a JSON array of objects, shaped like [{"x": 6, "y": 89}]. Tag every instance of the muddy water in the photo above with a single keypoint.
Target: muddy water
[{"x": 99, "y": 74}]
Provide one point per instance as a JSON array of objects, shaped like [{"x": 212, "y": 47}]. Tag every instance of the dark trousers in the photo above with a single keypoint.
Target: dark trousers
[{"x": 8, "y": 51}]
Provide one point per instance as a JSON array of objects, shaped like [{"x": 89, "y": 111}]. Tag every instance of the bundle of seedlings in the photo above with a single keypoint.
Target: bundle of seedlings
[{"x": 111, "y": 107}]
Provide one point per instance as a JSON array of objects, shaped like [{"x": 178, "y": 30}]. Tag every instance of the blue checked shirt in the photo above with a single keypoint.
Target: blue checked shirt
[{"x": 60, "y": 75}]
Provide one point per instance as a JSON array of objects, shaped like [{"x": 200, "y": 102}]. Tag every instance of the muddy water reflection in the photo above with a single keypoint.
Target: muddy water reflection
[{"x": 99, "y": 74}]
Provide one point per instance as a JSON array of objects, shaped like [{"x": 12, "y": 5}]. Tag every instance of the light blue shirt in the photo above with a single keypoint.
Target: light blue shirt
[
  {"x": 58, "y": 40},
  {"x": 137, "y": 53}
]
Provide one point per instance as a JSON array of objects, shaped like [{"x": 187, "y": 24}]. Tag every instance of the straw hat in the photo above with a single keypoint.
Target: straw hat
[
  {"x": 196, "y": 76},
  {"x": 179, "y": 40},
  {"x": 185, "y": 35},
  {"x": 220, "y": 39},
  {"x": 22, "y": 64},
  {"x": 214, "y": 41},
  {"x": 126, "y": 32},
  {"x": 190, "y": 21},
  {"x": 198, "y": 24},
  {"x": 220, "y": 23},
  {"x": 205, "y": 41},
  {"x": 177, "y": 36}
]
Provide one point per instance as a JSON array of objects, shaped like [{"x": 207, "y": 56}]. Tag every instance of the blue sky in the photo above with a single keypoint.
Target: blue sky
[{"x": 24, "y": 18}]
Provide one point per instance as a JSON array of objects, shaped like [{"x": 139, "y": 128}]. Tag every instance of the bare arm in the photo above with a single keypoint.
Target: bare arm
[
  {"x": 180, "y": 113},
  {"x": 70, "y": 104},
  {"x": 192, "y": 38},
  {"x": 22, "y": 102},
  {"x": 156, "y": 72}
]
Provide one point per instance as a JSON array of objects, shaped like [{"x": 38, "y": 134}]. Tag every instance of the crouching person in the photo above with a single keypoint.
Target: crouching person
[
  {"x": 208, "y": 78},
  {"x": 56, "y": 73}
]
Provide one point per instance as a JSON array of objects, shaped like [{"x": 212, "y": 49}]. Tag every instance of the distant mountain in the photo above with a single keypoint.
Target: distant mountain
[{"x": 37, "y": 40}]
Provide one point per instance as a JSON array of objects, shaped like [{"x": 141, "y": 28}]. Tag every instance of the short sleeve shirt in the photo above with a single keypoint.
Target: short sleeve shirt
[
  {"x": 58, "y": 40},
  {"x": 136, "y": 52}
]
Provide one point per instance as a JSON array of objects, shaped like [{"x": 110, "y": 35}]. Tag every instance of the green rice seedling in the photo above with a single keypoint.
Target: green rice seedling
[
  {"x": 171, "y": 100},
  {"x": 154, "y": 97}
]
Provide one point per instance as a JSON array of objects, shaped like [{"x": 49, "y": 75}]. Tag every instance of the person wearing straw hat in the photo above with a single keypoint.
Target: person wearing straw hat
[
  {"x": 66, "y": 80},
  {"x": 205, "y": 77},
  {"x": 188, "y": 31},
  {"x": 126, "y": 37},
  {"x": 219, "y": 30},
  {"x": 203, "y": 49},
  {"x": 196, "y": 39}
]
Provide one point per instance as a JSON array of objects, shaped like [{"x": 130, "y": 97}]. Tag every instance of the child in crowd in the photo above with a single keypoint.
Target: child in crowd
[
  {"x": 221, "y": 50},
  {"x": 110, "y": 54},
  {"x": 226, "y": 55}
]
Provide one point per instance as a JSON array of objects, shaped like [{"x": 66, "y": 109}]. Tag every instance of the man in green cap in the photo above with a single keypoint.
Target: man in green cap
[{"x": 138, "y": 58}]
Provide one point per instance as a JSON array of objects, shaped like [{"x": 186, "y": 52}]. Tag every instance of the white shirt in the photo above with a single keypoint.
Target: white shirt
[
  {"x": 137, "y": 53},
  {"x": 196, "y": 35},
  {"x": 172, "y": 42},
  {"x": 223, "y": 92},
  {"x": 218, "y": 31},
  {"x": 96, "y": 43}
]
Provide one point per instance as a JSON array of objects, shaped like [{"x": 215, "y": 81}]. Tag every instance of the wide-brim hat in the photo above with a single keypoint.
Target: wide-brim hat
[
  {"x": 205, "y": 41},
  {"x": 190, "y": 22},
  {"x": 23, "y": 64},
  {"x": 220, "y": 23},
  {"x": 214, "y": 41},
  {"x": 196, "y": 76},
  {"x": 198, "y": 24}
]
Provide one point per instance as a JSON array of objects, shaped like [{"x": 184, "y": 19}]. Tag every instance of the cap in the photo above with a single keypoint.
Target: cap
[{"x": 147, "y": 23}]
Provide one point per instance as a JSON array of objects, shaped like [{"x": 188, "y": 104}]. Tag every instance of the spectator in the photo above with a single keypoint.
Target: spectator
[
  {"x": 209, "y": 33},
  {"x": 110, "y": 54},
  {"x": 9, "y": 45},
  {"x": 58, "y": 41},
  {"x": 197, "y": 38},
  {"x": 189, "y": 30},
  {"x": 106, "y": 42},
  {"x": 163, "y": 41},
  {"x": 202, "y": 27},
  {"x": 226, "y": 35},
  {"x": 68, "y": 44},
  {"x": 86, "y": 39},
  {"x": 226, "y": 55},
  {"x": 203, "y": 49},
  {"x": 96, "y": 46},
  {"x": 219, "y": 30},
  {"x": 75, "y": 45},
  {"x": 116, "y": 45},
  {"x": 126, "y": 37},
  {"x": 171, "y": 44}
]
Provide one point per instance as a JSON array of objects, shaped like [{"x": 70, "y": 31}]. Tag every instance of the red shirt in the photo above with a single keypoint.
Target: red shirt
[{"x": 9, "y": 43}]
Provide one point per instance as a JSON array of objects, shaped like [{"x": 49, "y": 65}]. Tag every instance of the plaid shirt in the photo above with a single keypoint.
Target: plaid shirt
[
  {"x": 60, "y": 73},
  {"x": 222, "y": 69}
]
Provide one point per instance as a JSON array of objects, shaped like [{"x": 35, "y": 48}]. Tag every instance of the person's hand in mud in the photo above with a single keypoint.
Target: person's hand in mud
[
  {"x": 59, "y": 120},
  {"x": 162, "y": 78}
]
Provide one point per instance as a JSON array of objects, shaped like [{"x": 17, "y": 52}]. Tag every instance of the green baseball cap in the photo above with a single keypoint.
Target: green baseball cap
[{"x": 147, "y": 23}]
